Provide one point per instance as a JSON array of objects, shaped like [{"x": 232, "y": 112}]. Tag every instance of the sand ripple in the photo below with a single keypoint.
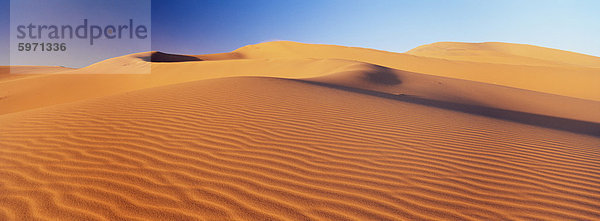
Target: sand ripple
[{"x": 275, "y": 149}]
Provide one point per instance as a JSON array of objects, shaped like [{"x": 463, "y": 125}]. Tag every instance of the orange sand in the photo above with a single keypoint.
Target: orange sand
[{"x": 290, "y": 131}]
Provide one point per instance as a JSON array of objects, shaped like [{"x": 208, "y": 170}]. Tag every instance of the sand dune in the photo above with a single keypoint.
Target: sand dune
[
  {"x": 59, "y": 88},
  {"x": 397, "y": 82},
  {"x": 16, "y": 70},
  {"x": 505, "y": 53},
  {"x": 264, "y": 148},
  {"x": 579, "y": 82},
  {"x": 291, "y": 131},
  {"x": 89, "y": 82},
  {"x": 8, "y": 73}
]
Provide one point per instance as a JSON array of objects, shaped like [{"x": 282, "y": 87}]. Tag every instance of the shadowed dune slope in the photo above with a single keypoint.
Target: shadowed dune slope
[
  {"x": 505, "y": 53},
  {"x": 157, "y": 56},
  {"x": 274, "y": 149},
  {"x": 403, "y": 83}
]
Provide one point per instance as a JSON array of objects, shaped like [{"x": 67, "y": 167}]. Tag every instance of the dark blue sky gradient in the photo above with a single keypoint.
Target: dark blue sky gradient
[{"x": 213, "y": 26}]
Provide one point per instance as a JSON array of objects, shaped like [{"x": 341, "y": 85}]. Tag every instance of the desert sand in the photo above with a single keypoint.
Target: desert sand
[
  {"x": 293, "y": 131},
  {"x": 505, "y": 53}
]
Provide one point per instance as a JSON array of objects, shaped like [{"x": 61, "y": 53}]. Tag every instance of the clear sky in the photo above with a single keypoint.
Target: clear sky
[{"x": 212, "y": 26}]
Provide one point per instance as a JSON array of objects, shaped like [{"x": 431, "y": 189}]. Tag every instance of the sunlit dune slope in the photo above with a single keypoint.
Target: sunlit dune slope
[
  {"x": 8, "y": 73},
  {"x": 276, "y": 149},
  {"x": 31, "y": 70},
  {"x": 572, "y": 81},
  {"x": 505, "y": 53},
  {"x": 50, "y": 89}
]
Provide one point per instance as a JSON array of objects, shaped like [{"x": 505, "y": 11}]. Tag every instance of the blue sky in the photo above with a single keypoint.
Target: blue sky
[{"x": 203, "y": 26}]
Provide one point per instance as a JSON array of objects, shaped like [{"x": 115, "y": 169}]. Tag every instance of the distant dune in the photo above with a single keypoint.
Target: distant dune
[
  {"x": 505, "y": 53},
  {"x": 292, "y": 131}
]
